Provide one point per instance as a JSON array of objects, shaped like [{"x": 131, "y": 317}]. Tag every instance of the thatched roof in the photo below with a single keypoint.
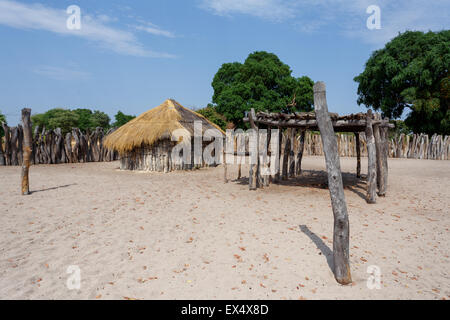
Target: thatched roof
[{"x": 156, "y": 124}]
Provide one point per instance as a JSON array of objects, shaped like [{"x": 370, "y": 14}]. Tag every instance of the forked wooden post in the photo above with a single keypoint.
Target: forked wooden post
[
  {"x": 27, "y": 141},
  {"x": 358, "y": 155},
  {"x": 341, "y": 225},
  {"x": 372, "y": 161}
]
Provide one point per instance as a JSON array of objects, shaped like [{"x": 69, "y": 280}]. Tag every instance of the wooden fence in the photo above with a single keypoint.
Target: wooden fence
[
  {"x": 52, "y": 147},
  {"x": 416, "y": 146}
]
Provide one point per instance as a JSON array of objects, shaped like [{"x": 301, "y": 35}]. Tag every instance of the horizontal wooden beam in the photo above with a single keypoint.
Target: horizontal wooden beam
[{"x": 356, "y": 125}]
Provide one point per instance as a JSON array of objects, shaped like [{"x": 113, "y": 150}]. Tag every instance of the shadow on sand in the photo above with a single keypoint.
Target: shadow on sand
[
  {"x": 319, "y": 179},
  {"x": 326, "y": 251},
  {"x": 53, "y": 188}
]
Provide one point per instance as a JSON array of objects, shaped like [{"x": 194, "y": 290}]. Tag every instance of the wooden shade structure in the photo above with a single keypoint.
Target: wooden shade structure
[{"x": 375, "y": 129}]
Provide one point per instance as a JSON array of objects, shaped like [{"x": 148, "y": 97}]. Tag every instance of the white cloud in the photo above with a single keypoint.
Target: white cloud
[
  {"x": 276, "y": 10},
  {"x": 347, "y": 17},
  {"x": 38, "y": 17},
  {"x": 155, "y": 30},
  {"x": 58, "y": 73}
]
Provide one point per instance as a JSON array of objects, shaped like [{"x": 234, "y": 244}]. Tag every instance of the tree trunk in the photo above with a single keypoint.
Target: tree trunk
[
  {"x": 341, "y": 225},
  {"x": 27, "y": 145}
]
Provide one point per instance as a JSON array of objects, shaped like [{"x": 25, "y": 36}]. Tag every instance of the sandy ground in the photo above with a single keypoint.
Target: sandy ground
[{"x": 187, "y": 235}]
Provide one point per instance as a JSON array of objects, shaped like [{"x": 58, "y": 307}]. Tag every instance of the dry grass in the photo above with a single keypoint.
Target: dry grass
[{"x": 161, "y": 122}]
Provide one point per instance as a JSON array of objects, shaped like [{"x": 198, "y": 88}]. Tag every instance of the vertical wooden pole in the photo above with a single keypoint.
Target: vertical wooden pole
[
  {"x": 286, "y": 152},
  {"x": 13, "y": 145},
  {"x": 358, "y": 155},
  {"x": 254, "y": 154},
  {"x": 301, "y": 147},
  {"x": 228, "y": 146},
  {"x": 268, "y": 155},
  {"x": 27, "y": 141},
  {"x": 7, "y": 152},
  {"x": 371, "y": 155},
  {"x": 379, "y": 147},
  {"x": 292, "y": 152},
  {"x": 2, "y": 158},
  {"x": 384, "y": 159},
  {"x": 277, "y": 176},
  {"x": 341, "y": 232},
  {"x": 225, "y": 167},
  {"x": 263, "y": 158}
]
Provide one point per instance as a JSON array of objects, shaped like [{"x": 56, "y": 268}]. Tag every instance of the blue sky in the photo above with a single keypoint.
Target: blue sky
[{"x": 132, "y": 55}]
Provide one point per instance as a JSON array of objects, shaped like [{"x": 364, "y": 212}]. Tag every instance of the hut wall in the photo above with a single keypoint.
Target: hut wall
[{"x": 157, "y": 158}]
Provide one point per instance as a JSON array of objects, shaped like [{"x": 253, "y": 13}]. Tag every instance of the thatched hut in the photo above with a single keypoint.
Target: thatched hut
[{"x": 146, "y": 142}]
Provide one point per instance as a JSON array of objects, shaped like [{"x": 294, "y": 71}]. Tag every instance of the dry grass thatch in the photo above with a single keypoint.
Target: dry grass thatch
[{"x": 155, "y": 124}]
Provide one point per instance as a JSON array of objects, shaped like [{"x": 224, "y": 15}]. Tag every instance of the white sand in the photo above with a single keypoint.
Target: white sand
[{"x": 187, "y": 235}]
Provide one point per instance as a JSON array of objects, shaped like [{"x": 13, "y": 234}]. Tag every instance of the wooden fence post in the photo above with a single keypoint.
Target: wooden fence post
[
  {"x": 277, "y": 176},
  {"x": 335, "y": 185},
  {"x": 286, "y": 153},
  {"x": 292, "y": 153},
  {"x": 372, "y": 162},
  {"x": 358, "y": 155},
  {"x": 299, "y": 155},
  {"x": 380, "y": 150},
  {"x": 2, "y": 157},
  {"x": 27, "y": 141},
  {"x": 384, "y": 159},
  {"x": 254, "y": 154}
]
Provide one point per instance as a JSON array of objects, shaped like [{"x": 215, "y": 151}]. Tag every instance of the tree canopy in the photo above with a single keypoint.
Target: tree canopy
[
  {"x": 67, "y": 119},
  {"x": 212, "y": 115},
  {"x": 262, "y": 82},
  {"x": 121, "y": 119},
  {"x": 410, "y": 72}
]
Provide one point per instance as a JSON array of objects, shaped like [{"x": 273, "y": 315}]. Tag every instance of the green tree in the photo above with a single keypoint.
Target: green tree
[
  {"x": 2, "y": 119},
  {"x": 64, "y": 119},
  {"x": 212, "y": 115},
  {"x": 121, "y": 119},
  {"x": 84, "y": 118},
  {"x": 99, "y": 119},
  {"x": 262, "y": 82},
  {"x": 56, "y": 118},
  {"x": 410, "y": 72}
]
